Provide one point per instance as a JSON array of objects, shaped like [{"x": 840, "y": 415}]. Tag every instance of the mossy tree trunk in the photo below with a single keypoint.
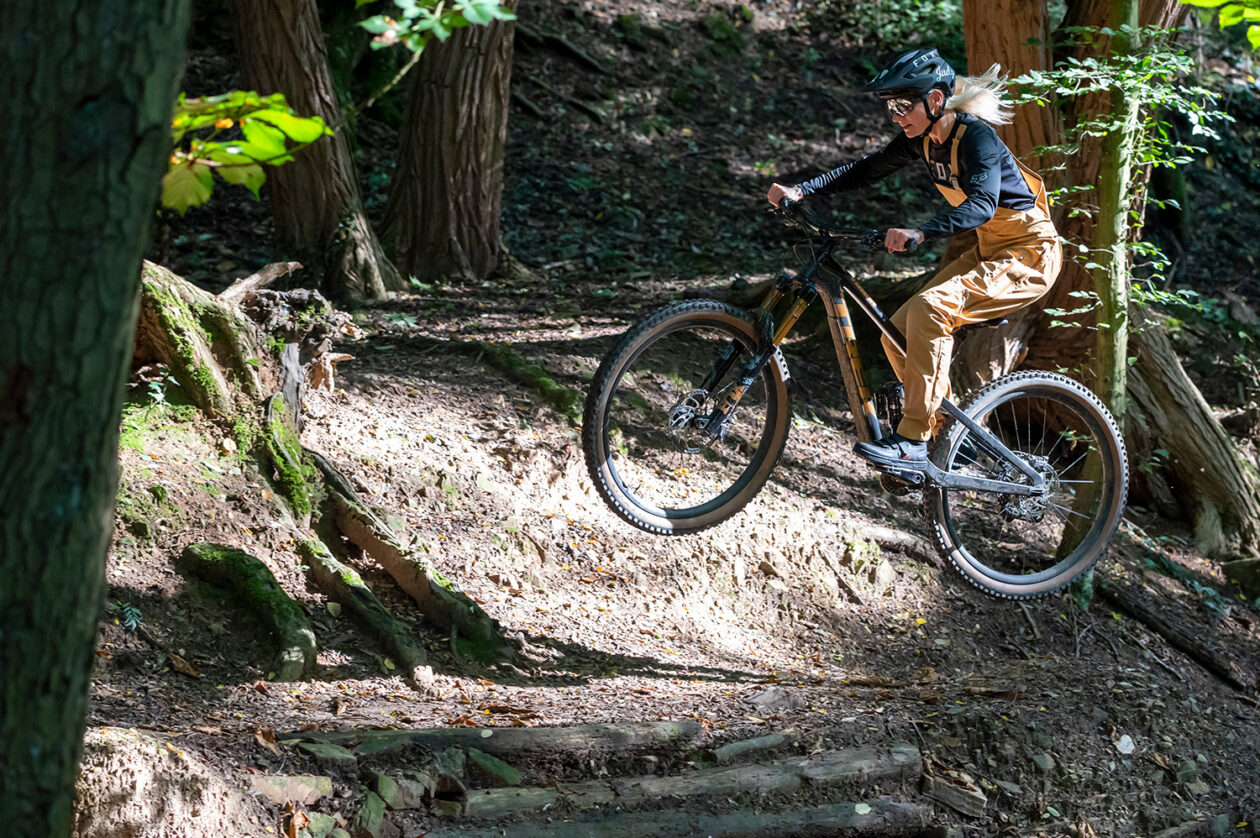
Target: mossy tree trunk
[
  {"x": 315, "y": 199},
  {"x": 1111, "y": 231},
  {"x": 85, "y": 125},
  {"x": 211, "y": 349},
  {"x": 442, "y": 218}
]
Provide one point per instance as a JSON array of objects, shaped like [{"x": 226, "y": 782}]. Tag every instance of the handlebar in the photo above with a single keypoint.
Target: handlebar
[{"x": 868, "y": 238}]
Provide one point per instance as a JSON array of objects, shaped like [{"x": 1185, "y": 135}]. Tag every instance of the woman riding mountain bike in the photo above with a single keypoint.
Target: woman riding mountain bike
[{"x": 946, "y": 122}]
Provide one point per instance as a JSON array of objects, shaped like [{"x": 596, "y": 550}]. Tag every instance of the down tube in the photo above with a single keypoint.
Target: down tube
[{"x": 864, "y": 417}]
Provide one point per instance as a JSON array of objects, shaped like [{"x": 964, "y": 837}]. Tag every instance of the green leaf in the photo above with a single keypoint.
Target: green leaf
[
  {"x": 300, "y": 129},
  {"x": 378, "y": 25},
  {"x": 1253, "y": 37},
  {"x": 186, "y": 186},
  {"x": 251, "y": 177},
  {"x": 1206, "y": 4},
  {"x": 1231, "y": 14},
  {"x": 263, "y": 142}
]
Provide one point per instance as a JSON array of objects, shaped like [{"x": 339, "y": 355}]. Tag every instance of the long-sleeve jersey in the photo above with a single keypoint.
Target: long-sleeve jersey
[{"x": 987, "y": 174}]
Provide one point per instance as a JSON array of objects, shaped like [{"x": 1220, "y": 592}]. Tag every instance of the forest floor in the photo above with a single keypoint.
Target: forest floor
[{"x": 819, "y": 612}]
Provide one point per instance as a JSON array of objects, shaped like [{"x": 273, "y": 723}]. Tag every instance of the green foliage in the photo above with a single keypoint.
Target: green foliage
[
  {"x": 897, "y": 25},
  {"x": 125, "y": 614},
  {"x": 232, "y": 135},
  {"x": 1158, "y": 75},
  {"x": 420, "y": 20},
  {"x": 1233, "y": 13}
]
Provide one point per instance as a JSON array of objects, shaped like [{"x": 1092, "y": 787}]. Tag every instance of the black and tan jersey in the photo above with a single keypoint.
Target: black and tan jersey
[{"x": 973, "y": 169}]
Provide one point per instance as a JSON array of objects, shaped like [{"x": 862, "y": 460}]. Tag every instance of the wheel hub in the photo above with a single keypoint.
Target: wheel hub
[{"x": 1027, "y": 507}]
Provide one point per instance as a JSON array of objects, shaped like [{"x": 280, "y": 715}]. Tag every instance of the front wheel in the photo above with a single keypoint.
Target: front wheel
[
  {"x": 643, "y": 430},
  {"x": 1023, "y": 547}
]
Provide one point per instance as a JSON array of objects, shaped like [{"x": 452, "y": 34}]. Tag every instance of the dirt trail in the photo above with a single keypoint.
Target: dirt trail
[{"x": 791, "y": 618}]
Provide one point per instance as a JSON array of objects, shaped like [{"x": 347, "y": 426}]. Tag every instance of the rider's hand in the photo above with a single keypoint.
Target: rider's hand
[
  {"x": 778, "y": 192},
  {"x": 896, "y": 238}
]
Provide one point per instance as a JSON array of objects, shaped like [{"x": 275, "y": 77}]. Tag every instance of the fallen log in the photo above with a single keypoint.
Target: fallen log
[
  {"x": 733, "y": 751},
  {"x": 347, "y": 587},
  {"x": 516, "y": 741},
  {"x": 877, "y": 816},
  {"x": 1226, "y": 670},
  {"x": 243, "y": 288},
  {"x": 257, "y": 587},
  {"x": 783, "y": 776}
]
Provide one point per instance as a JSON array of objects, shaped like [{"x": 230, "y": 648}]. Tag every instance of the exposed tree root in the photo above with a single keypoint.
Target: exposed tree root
[
  {"x": 560, "y": 44},
  {"x": 254, "y": 583},
  {"x": 473, "y": 631},
  {"x": 347, "y": 587}
]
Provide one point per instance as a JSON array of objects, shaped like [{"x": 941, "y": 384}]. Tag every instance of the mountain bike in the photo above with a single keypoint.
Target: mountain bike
[{"x": 688, "y": 414}]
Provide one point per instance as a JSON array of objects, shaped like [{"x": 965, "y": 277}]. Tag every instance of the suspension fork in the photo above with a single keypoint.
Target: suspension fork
[{"x": 769, "y": 338}]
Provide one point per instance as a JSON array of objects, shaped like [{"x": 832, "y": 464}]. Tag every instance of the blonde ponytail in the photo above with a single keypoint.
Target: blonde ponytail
[{"x": 981, "y": 96}]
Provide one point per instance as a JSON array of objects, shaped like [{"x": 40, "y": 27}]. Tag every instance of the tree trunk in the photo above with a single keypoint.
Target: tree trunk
[
  {"x": 1115, "y": 197},
  {"x": 315, "y": 199},
  {"x": 442, "y": 218},
  {"x": 999, "y": 32},
  {"x": 85, "y": 123}
]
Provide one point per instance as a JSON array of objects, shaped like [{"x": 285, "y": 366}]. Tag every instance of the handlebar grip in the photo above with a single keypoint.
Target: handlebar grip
[{"x": 911, "y": 247}]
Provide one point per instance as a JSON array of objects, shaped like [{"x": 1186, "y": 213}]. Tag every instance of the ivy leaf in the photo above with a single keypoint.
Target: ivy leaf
[{"x": 187, "y": 185}]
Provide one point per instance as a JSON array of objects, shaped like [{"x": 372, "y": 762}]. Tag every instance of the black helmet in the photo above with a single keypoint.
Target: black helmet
[{"x": 914, "y": 74}]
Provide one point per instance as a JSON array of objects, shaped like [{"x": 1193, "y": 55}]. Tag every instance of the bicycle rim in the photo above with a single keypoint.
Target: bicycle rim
[
  {"x": 649, "y": 455},
  {"x": 1027, "y": 546}
]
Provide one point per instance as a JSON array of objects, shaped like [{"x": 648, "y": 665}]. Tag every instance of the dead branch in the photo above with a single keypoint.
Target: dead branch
[{"x": 245, "y": 287}]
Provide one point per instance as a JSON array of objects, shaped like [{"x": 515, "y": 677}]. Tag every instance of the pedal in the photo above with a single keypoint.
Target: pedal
[
  {"x": 894, "y": 486},
  {"x": 905, "y": 475}
]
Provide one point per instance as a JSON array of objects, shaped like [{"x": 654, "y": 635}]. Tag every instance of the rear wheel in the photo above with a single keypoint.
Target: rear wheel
[
  {"x": 643, "y": 433},
  {"x": 1022, "y": 547}
]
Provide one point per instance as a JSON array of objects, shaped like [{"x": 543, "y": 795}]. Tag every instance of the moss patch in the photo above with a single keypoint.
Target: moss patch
[
  {"x": 295, "y": 472},
  {"x": 507, "y": 360}
]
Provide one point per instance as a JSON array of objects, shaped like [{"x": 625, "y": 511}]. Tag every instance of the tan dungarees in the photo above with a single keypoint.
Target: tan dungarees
[{"x": 1014, "y": 263}]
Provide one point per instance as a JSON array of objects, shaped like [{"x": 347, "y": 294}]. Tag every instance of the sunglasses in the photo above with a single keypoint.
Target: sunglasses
[{"x": 900, "y": 107}]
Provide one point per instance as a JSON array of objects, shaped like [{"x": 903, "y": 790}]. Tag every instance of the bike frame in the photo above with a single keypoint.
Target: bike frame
[{"x": 826, "y": 278}]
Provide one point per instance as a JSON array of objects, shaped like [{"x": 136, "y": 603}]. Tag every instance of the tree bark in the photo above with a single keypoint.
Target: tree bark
[
  {"x": 999, "y": 32},
  {"x": 85, "y": 122},
  {"x": 442, "y": 218},
  {"x": 1115, "y": 199},
  {"x": 315, "y": 199}
]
